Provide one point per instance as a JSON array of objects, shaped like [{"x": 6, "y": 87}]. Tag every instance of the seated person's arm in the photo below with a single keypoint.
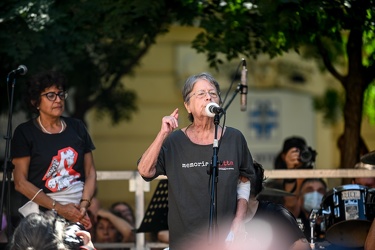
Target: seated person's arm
[{"x": 120, "y": 224}]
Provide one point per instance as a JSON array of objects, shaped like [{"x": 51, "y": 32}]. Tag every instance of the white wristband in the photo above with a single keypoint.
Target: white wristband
[{"x": 243, "y": 190}]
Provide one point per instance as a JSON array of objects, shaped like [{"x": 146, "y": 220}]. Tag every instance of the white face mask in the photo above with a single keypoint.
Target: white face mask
[{"x": 312, "y": 200}]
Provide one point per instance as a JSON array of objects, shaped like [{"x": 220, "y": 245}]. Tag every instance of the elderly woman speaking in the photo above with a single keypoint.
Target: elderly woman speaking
[{"x": 185, "y": 155}]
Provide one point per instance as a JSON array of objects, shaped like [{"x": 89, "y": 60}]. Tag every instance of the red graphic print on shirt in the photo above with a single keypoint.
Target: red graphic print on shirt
[{"x": 60, "y": 173}]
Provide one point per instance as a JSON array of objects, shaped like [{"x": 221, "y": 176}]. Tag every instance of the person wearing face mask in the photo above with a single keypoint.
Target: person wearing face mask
[
  {"x": 310, "y": 196},
  {"x": 295, "y": 154},
  {"x": 312, "y": 200}
]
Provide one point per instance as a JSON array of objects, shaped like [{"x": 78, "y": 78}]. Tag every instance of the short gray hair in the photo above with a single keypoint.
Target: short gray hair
[{"x": 189, "y": 85}]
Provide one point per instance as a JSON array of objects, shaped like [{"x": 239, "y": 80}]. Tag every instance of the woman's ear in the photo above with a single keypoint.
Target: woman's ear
[
  {"x": 35, "y": 104},
  {"x": 187, "y": 107}
]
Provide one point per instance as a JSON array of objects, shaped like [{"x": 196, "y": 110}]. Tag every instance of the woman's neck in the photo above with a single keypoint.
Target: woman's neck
[{"x": 201, "y": 133}]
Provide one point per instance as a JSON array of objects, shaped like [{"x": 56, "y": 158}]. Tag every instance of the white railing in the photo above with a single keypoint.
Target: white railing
[{"x": 139, "y": 187}]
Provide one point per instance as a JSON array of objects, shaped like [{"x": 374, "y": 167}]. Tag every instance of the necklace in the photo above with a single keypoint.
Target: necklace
[{"x": 46, "y": 131}]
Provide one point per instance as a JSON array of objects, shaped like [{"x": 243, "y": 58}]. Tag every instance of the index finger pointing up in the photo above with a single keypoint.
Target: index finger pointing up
[{"x": 175, "y": 113}]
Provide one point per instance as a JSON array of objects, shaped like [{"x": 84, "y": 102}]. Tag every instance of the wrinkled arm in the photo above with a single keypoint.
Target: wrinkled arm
[
  {"x": 147, "y": 164},
  {"x": 237, "y": 227}
]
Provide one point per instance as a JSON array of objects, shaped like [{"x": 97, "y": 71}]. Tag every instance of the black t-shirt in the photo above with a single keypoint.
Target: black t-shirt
[
  {"x": 273, "y": 227},
  {"x": 56, "y": 160},
  {"x": 186, "y": 163}
]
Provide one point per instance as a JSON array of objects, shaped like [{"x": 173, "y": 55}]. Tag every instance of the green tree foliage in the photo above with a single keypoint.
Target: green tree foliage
[
  {"x": 94, "y": 43},
  {"x": 336, "y": 29}
]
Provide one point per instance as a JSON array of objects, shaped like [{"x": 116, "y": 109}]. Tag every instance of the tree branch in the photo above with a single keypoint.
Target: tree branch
[{"x": 327, "y": 62}]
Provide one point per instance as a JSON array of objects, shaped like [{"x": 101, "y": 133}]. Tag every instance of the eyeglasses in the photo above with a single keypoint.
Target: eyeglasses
[
  {"x": 203, "y": 93},
  {"x": 52, "y": 95}
]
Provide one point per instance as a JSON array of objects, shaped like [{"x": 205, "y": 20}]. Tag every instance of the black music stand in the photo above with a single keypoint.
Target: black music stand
[{"x": 156, "y": 216}]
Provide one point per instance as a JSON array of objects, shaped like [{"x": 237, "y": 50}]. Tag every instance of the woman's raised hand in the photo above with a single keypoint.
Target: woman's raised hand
[{"x": 169, "y": 123}]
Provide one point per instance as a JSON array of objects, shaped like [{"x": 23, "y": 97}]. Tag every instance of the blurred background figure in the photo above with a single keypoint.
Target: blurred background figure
[
  {"x": 295, "y": 154},
  {"x": 268, "y": 193},
  {"x": 94, "y": 207},
  {"x": 364, "y": 181},
  {"x": 125, "y": 211},
  {"x": 310, "y": 197},
  {"x": 269, "y": 225},
  {"x": 112, "y": 228},
  {"x": 49, "y": 232}
]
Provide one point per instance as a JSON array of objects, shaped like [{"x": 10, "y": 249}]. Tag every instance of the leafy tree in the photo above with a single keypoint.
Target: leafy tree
[
  {"x": 94, "y": 43},
  {"x": 339, "y": 29}
]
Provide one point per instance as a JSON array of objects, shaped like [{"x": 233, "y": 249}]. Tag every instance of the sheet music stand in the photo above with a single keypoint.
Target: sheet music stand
[{"x": 156, "y": 216}]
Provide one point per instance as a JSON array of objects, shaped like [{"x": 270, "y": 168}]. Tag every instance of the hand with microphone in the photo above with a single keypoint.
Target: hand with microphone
[
  {"x": 21, "y": 70},
  {"x": 243, "y": 87},
  {"x": 213, "y": 109}
]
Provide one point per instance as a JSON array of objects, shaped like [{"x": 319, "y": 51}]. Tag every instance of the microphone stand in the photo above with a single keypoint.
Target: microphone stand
[
  {"x": 213, "y": 172},
  {"x": 240, "y": 89},
  {"x": 7, "y": 166},
  {"x": 312, "y": 218}
]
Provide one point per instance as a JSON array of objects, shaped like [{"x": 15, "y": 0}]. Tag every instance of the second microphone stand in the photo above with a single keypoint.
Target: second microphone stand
[
  {"x": 8, "y": 166},
  {"x": 213, "y": 172}
]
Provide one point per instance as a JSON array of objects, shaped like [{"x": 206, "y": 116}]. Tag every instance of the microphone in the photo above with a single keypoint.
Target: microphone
[
  {"x": 21, "y": 70},
  {"x": 243, "y": 87},
  {"x": 213, "y": 109}
]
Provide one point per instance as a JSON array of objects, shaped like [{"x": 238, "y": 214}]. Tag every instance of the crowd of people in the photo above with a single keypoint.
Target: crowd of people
[{"x": 214, "y": 184}]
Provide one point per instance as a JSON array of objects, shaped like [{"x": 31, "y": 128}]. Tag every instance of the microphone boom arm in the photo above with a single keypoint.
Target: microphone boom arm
[{"x": 240, "y": 89}]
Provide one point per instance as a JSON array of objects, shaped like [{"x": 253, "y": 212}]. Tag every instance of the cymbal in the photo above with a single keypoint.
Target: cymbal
[
  {"x": 275, "y": 192},
  {"x": 369, "y": 158}
]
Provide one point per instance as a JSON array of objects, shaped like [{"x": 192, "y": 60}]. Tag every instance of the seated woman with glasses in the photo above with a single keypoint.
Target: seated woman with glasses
[{"x": 52, "y": 155}]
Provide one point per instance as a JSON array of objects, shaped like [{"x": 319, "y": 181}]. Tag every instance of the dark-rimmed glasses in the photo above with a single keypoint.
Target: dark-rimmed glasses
[{"x": 52, "y": 95}]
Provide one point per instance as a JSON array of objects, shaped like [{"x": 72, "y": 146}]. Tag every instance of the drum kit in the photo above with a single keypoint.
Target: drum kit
[{"x": 345, "y": 214}]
